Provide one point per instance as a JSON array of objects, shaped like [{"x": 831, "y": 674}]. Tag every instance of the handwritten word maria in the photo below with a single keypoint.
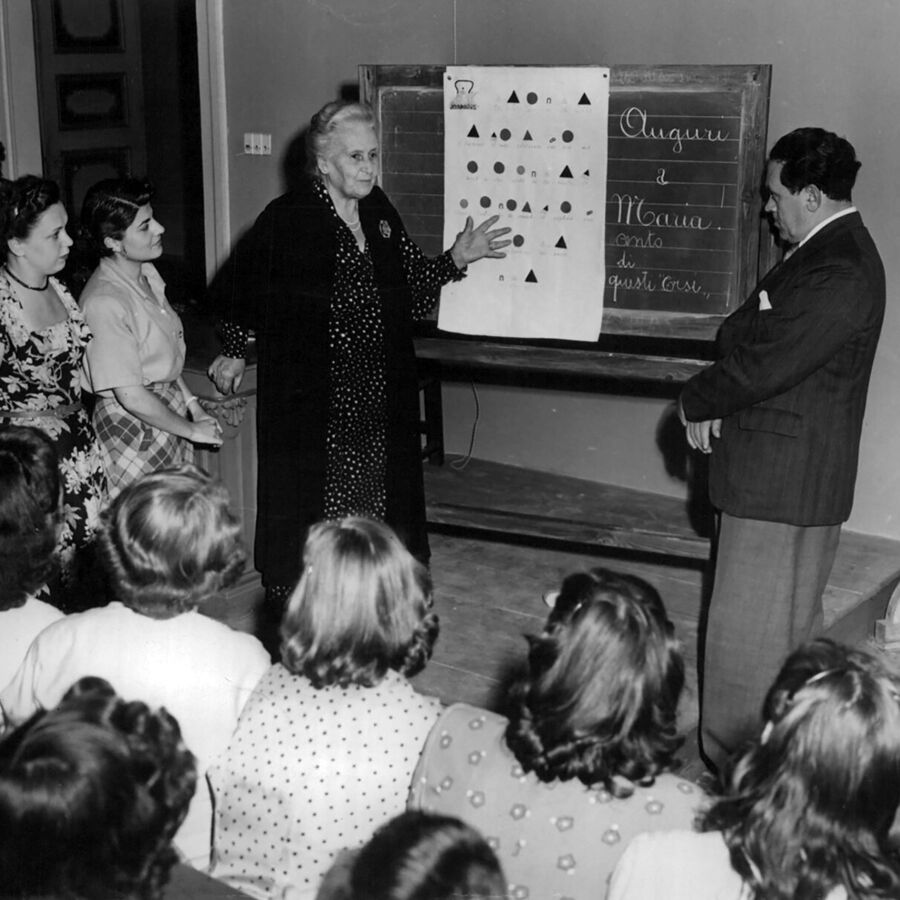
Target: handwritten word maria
[
  {"x": 631, "y": 211},
  {"x": 634, "y": 123}
]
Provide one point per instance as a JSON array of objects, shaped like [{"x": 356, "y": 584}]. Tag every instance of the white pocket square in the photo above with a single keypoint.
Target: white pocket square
[{"x": 764, "y": 300}]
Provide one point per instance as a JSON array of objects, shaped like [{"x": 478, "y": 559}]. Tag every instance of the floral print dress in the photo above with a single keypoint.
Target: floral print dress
[{"x": 40, "y": 386}]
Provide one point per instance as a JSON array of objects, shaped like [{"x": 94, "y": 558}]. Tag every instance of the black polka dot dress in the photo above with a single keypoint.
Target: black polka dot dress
[
  {"x": 357, "y": 423},
  {"x": 310, "y": 772},
  {"x": 358, "y": 447}
]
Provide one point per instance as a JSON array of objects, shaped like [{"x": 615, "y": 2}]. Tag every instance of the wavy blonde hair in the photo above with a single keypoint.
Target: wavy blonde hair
[{"x": 363, "y": 606}]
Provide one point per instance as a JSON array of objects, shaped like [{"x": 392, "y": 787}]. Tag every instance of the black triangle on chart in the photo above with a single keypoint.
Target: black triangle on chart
[
  {"x": 584, "y": 100},
  {"x": 587, "y": 173},
  {"x": 473, "y": 132},
  {"x": 531, "y": 278},
  {"x": 561, "y": 243},
  {"x": 513, "y": 98},
  {"x": 494, "y": 135},
  {"x": 526, "y": 207},
  {"x": 566, "y": 173},
  {"x": 547, "y": 208},
  {"x": 528, "y": 136}
]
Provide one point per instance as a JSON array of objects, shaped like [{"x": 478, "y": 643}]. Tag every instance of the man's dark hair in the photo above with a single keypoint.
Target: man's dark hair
[{"x": 818, "y": 157}]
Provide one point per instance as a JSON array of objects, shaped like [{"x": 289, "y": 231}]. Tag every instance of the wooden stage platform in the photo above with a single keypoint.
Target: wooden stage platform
[{"x": 502, "y": 536}]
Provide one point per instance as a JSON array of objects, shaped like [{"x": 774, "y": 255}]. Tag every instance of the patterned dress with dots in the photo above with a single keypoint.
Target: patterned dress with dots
[
  {"x": 310, "y": 772},
  {"x": 556, "y": 841},
  {"x": 357, "y": 443}
]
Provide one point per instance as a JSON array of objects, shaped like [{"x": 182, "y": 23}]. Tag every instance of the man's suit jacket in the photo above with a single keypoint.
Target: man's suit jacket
[{"x": 791, "y": 382}]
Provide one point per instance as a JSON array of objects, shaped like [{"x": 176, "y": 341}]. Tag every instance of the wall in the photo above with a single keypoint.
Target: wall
[{"x": 833, "y": 65}]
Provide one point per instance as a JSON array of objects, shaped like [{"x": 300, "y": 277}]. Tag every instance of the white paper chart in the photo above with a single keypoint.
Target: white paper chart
[{"x": 529, "y": 145}]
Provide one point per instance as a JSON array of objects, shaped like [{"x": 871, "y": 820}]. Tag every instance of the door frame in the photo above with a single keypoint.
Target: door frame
[
  {"x": 20, "y": 122},
  {"x": 20, "y": 128},
  {"x": 214, "y": 132}
]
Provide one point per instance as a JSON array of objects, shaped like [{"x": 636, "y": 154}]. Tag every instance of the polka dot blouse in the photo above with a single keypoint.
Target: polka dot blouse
[
  {"x": 356, "y": 442},
  {"x": 310, "y": 772},
  {"x": 556, "y": 841}
]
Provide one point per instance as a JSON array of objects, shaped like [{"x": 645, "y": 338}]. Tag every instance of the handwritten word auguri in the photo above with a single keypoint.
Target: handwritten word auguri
[{"x": 634, "y": 123}]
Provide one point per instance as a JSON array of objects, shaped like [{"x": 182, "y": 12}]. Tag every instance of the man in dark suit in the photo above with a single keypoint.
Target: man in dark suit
[{"x": 781, "y": 414}]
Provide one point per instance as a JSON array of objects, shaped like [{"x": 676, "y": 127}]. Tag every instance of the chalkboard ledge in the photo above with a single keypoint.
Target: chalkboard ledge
[{"x": 504, "y": 362}]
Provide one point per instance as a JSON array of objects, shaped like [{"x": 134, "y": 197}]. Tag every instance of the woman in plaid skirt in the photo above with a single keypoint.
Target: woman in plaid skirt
[{"x": 145, "y": 417}]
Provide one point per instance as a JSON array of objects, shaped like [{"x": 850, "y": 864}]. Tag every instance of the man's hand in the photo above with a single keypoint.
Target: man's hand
[{"x": 698, "y": 434}]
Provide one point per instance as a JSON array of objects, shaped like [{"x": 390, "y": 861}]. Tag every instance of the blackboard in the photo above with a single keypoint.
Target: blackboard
[{"x": 686, "y": 159}]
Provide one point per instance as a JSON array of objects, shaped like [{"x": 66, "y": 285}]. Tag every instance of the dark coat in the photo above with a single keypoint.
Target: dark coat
[
  {"x": 279, "y": 284},
  {"x": 791, "y": 382}
]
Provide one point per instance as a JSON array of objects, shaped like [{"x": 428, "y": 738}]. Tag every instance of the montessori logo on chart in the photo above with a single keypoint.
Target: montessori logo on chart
[{"x": 465, "y": 94}]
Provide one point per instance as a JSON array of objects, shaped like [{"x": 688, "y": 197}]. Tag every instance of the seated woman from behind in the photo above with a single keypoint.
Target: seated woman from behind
[
  {"x": 327, "y": 744},
  {"x": 580, "y": 767},
  {"x": 170, "y": 544},
  {"x": 29, "y": 526},
  {"x": 91, "y": 794},
  {"x": 808, "y": 810},
  {"x": 417, "y": 856}
]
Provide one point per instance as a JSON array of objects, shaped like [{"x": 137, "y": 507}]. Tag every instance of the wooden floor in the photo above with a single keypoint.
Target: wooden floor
[{"x": 489, "y": 585}]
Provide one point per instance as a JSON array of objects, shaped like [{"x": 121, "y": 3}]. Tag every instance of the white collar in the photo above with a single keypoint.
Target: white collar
[{"x": 824, "y": 222}]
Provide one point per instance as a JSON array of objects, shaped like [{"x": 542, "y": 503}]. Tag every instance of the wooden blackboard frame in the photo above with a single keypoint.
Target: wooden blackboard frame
[{"x": 749, "y": 83}]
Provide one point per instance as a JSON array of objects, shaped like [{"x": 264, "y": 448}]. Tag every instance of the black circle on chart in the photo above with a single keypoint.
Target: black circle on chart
[
  {"x": 505, "y": 134},
  {"x": 567, "y": 136},
  {"x": 485, "y": 202},
  {"x": 520, "y": 170},
  {"x": 499, "y": 168},
  {"x": 518, "y": 240},
  {"x": 532, "y": 98},
  {"x": 565, "y": 206},
  {"x": 472, "y": 167},
  {"x": 511, "y": 205},
  {"x": 464, "y": 203}
]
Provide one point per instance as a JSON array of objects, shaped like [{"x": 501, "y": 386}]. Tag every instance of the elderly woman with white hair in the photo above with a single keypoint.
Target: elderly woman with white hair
[{"x": 330, "y": 283}]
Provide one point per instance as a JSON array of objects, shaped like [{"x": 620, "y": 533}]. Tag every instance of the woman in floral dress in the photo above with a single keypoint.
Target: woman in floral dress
[{"x": 42, "y": 341}]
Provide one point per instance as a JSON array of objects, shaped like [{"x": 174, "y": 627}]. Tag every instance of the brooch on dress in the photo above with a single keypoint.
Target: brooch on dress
[{"x": 384, "y": 228}]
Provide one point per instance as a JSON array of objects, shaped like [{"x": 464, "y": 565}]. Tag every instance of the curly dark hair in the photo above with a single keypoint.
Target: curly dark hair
[
  {"x": 601, "y": 694},
  {"x": 814, "y": 156},
  {"x": 362, "y": 607},
  {"x": 169, "y": 541},
  {"x": 22, "y": 203},
  {"x": 91, "y": 795},
  {"x": 29, "y": 513},
  {"x": 420, "y": 856},
  {"x": 810, "y": 805}
]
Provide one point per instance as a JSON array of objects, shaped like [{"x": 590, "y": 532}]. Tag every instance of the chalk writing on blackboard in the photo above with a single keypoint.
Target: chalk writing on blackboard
[
  {"x": 671, "y": 200},
  {"x": 686, "y": 154}
]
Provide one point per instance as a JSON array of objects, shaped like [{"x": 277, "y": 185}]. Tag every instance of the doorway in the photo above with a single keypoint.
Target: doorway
[{"x": 119, "y": 95}]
